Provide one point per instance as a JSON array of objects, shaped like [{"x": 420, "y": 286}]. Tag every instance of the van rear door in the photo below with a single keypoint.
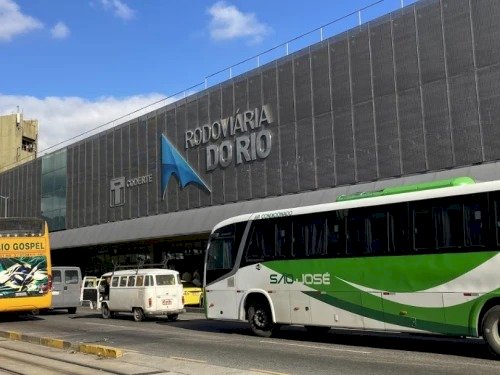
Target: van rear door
[{"x": 168, "y": 292}]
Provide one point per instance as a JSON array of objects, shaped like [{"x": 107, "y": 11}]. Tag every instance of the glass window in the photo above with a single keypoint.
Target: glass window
[
  {"x": 222, "y": 249},
  {"x": 165, "y": 280},
  {"x": 131, "y": 281},
  {"x": 423, "y": 229},
  {"x": 56, "y": 276},
  {"x": 114, "y": 282},
  {"x": 123, "y": 281},
  {"x": 336, "y": 236},
  {"x": 139, "y": 280},
  {"x": 309, "y": 236},
  {"x": 284, "y": 238},
  {"x": 473, "y": 224},
  {"x": 147, "y": 280},
  {"x": 53, "y": 202},
  {"x": 71, "y": 276},
  {"x": 261, "y": 245}
]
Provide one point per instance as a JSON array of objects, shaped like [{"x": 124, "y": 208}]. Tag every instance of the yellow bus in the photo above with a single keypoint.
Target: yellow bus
[{"x": 25, "y": 266}]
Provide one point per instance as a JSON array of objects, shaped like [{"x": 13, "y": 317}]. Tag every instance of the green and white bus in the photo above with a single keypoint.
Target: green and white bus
[{"x": 417, "y": 258}]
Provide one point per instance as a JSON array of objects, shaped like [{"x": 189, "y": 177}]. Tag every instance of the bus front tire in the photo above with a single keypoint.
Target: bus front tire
[
  {"x": 71, "y": 310},
  {"x": 491, "y": 330},
  {"x": 260, "y": 319},
  {"x": 138, "y": 314}
]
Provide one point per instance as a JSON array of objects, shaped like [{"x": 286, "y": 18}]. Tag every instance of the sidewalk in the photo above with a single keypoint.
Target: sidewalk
[{"x": 112, "y": 359}]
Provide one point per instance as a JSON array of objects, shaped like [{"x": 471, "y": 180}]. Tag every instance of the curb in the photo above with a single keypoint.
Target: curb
[{"x": 100, "y": 350}]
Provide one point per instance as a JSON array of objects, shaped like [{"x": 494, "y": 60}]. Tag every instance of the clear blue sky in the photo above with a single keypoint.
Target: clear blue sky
[{"x": 78, "y": 64}]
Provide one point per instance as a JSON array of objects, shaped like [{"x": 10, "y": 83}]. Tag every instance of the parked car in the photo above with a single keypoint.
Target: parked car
[
  {"x": 143, "y": 292},
  {"x": 193, "y": 294},
  {"x": 66, "y": 285}
]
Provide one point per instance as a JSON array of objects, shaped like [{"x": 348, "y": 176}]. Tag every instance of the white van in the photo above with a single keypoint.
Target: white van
[
  {"x": 144, "y": 293},
  {"x": 66, "y": 286}
]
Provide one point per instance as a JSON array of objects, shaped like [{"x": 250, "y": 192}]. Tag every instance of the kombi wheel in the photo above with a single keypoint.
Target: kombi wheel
[
  {"x": 259, "y": 317},
  {"x": 138, "y": 314},
  {"x": 491, "y": 330},
  {"x": 71, "y": 310},
  {"x": 105, "y": 312},
  {"x": 173, "y": 317}
]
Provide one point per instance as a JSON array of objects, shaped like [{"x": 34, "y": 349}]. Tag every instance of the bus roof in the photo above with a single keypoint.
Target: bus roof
[
  {"x": 452, "y": 190},
  {"x": 458, "y": 181}
]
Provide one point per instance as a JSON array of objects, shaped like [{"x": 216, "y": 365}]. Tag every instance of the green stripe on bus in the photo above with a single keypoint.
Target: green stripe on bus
[{"x": 407, "y": 188}]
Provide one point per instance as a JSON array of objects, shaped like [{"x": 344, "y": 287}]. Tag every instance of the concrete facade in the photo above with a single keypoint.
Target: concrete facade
[{"x": 18, "y": 140}]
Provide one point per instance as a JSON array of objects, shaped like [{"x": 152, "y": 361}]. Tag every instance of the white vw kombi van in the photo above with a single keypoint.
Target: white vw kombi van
[{"x": 144, "y": 293}]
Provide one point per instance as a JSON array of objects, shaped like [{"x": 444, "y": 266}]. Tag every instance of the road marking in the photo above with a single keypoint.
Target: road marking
[
  {"x": 268, "y": 372},
  {"x": 314, "y": 347},
  {"x": 109, "y": 325},
  {"x": 188, "y": 359}
]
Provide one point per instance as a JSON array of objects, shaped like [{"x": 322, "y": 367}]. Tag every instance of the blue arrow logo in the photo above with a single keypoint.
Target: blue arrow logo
[{"x": 173, "y": 164}]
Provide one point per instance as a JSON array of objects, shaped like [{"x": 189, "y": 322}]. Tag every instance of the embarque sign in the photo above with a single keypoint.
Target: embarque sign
[{"x": 241, "y": 138}]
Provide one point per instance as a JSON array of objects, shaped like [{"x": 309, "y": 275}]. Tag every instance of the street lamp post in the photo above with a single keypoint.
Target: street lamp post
[{"x": 5, "y": 203}]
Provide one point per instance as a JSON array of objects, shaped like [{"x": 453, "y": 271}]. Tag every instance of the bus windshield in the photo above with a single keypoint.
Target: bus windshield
[{"x": 222, "y": 250}]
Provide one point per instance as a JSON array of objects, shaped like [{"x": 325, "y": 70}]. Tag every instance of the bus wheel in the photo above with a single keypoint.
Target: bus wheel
[
  {"x": 491, "y": 329},
  {"x": 138, "y": 314},
  {"x": 259, "y": 317},
  {"x": 105, "y": 312},
  {"x": 71, "y": 310}
]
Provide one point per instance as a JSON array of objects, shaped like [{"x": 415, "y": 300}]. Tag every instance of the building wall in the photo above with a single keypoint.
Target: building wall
[
  {"x": 17, "y": 140},
  {"x": 413, "y": 92}
]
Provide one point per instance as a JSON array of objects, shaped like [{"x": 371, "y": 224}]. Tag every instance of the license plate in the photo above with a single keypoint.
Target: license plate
[{"x": 166, "y": 302}]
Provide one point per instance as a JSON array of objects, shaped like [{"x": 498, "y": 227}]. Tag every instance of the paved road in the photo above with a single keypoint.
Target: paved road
[{"x": 230, "y": 347}]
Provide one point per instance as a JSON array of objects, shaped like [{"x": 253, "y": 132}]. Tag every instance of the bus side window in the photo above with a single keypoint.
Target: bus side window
[
  {"x": 336, "y": 238},
  {"x": 283, "y": 238},
  {"x": 114, "y": 282},
  {"x": 261, "y": 244},
  {"x": 309, "y": 236},
  {"x": 147, "y": 280},
  {"x": 423, "y": 229},
  {"x": 473, "y": 224}
]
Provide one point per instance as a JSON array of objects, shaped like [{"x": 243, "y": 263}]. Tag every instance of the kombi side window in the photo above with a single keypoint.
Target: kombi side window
[
  {"x": 131, "y": 281},
  {"x": 56, "y": 276},
  {"x": 71, "y": 276},
  {"x": 165, "y": 280},
  {"x": 139, "y": 280},
  {"x": 123, "y": 281},
  {"x": 148, "y": 281},
  {"x": 114, "y": 282}
]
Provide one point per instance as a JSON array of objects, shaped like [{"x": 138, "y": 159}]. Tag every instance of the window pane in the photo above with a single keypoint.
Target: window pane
[
  {"x": 71, "y": 276},
  {"x": 123, "y": 281},
  {"x": 165, "y": 280},
  {"x": 336, "y": 238},
  {"x": 139, "y": 280},
  {"x": 56, "y": 276},
  {"x": 131, "y": 281}
]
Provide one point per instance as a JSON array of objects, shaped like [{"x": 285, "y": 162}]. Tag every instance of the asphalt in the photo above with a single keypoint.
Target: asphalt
[{"x": 128, "y": 362}]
